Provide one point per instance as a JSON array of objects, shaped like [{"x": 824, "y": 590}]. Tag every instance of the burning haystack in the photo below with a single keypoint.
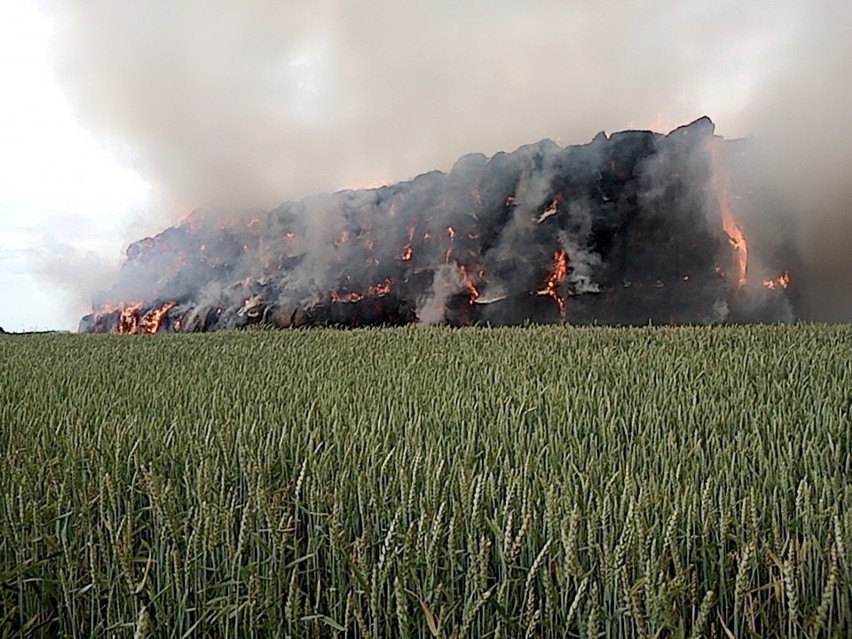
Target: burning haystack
[{"x": 631, "y": 228}]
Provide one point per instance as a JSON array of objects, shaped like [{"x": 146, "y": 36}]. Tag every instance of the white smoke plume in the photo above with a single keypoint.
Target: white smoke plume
[{"x": 235, "y": 105}]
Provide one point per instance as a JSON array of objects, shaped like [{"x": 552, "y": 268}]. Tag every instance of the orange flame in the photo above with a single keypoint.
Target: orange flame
[
  {"x": 381, "y": 289},
  {"x": 551, "y": 210},
  {"x": 131, "y": 323},
  {"x": 782, "y": 281},
  {"x": 557, "y": 275},
  {"x": 721, "y": 186},
  {"x": 352, "y": 296},
  {"x": 128, "y": 320},
  {"x": 375, "y": 290},
  {"x": 153, "y": 320},
  {"x": 407, "y": 253},
  {"x": 448, "y": 254},
  {"x": 469, "y": 283}
]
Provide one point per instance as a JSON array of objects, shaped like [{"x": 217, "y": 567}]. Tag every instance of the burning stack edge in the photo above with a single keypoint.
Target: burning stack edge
[{"x": 632, "y": 228}]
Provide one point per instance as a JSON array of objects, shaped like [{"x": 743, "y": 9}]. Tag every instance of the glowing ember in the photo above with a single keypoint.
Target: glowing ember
[
  {"x": 782, "y": 281},
  {"x": 378, "y": 290},
  {"x": 407, "y": 253},
  {"x": 351, "y": 296},
  {"x": 721, "y": 186},
  {"x": 451, "y": 232}
]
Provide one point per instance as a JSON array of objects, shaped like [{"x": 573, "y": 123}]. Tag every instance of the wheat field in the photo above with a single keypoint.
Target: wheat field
[{"x": 519, "y": 482}]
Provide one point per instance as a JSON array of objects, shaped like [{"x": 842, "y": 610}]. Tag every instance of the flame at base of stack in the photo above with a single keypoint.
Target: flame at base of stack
[{"x": 632, "y": 228}]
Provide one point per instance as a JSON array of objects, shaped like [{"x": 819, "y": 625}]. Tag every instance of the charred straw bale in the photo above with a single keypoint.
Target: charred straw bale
[{"x": 630, "y": 228}]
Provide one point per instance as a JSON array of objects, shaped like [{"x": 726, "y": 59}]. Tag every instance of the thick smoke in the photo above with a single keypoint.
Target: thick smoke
[
  {"x": 801, "y": 120},
  {"x": 631, "y": 228},
  {"x": 239, "y": 105}
]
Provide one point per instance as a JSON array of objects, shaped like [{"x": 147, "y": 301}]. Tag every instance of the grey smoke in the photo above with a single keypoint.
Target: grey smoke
[
  {"x": 240, "y": 105},
  {"x": 633, "y": 208},
  {"x": 445, "y": 283},
  {"x": 802, "y": 121}
]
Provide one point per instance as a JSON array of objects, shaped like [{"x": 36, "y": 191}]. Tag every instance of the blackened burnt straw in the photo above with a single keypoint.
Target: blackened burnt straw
[{"x": 631, "y": 228}]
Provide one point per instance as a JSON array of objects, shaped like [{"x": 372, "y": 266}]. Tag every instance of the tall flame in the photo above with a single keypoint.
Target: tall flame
[
  {"x": 558, "y": 273},
  {"x": 721, "y": 186}
]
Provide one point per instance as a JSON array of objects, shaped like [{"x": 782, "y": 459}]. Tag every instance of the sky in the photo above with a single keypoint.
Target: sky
[
  {"x": 64, "y": 193},
  {"x": 120, "y": 118}
]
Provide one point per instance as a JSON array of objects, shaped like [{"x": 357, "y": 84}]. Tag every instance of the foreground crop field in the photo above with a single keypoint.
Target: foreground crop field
[{"x": 550, "y": 482}]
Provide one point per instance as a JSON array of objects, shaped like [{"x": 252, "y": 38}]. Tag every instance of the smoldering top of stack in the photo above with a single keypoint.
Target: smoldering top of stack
[{"x": 636, "y": 216}]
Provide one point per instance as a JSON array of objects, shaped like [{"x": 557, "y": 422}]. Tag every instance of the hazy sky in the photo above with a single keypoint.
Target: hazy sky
[
  {"x": 119, "y": 118},
  {"x": 62, "y": 192}
]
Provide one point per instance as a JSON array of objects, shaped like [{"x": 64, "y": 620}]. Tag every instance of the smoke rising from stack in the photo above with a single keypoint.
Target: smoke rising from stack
[
  {"x": 239, "y": 106},
  {"x": 632, "y": 228},
  {"x": 801, "y": 120}
]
